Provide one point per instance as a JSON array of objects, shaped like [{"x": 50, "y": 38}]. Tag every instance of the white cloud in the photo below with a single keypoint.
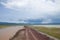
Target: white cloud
[
  {"x": 14, "y": 3},
  {"x": 34, "y": 9},
  {"x": 38, "y": 5}
]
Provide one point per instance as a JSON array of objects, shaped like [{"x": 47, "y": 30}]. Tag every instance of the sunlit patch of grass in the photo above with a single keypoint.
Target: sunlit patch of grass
[{"x": 51, "y": 31}]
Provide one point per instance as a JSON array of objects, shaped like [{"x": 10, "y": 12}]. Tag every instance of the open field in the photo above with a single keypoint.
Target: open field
[
  {"x": 2, "y": 26},
  {"x": 6, "y": 26},
  {"x": 55, "y": 32}
]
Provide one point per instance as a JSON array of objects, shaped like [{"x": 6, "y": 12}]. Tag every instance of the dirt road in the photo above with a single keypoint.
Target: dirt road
[{"x": 29, "y": 34}]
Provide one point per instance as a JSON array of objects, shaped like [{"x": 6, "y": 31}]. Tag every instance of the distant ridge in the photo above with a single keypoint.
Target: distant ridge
[{"x": 7, "y": 23}]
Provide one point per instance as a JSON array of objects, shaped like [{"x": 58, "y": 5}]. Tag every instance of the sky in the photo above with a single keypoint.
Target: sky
[{"x": 30, "y": 11}]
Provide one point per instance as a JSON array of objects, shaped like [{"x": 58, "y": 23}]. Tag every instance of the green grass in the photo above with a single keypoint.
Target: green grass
[
  {"x": 55, "y": 32},
  {"x": 3, "y": 26}
]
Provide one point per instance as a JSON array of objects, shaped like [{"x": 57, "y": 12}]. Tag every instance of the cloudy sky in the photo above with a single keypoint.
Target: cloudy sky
[{"x": 30, "y": 11}]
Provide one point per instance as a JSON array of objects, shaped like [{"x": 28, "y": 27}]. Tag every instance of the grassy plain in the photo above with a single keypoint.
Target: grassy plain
[
  {"x": 53, "y": 31},
  {"x": 3, "y": 26}
]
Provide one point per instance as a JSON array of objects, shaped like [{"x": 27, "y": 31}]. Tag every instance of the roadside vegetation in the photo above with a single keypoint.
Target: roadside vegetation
[
  {"x": 3, "y": 26},
  {"x": 55, "y": 32}
]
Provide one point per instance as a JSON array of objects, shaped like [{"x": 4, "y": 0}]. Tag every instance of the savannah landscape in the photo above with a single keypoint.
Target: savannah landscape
[{"x": 11, "y": 30}]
